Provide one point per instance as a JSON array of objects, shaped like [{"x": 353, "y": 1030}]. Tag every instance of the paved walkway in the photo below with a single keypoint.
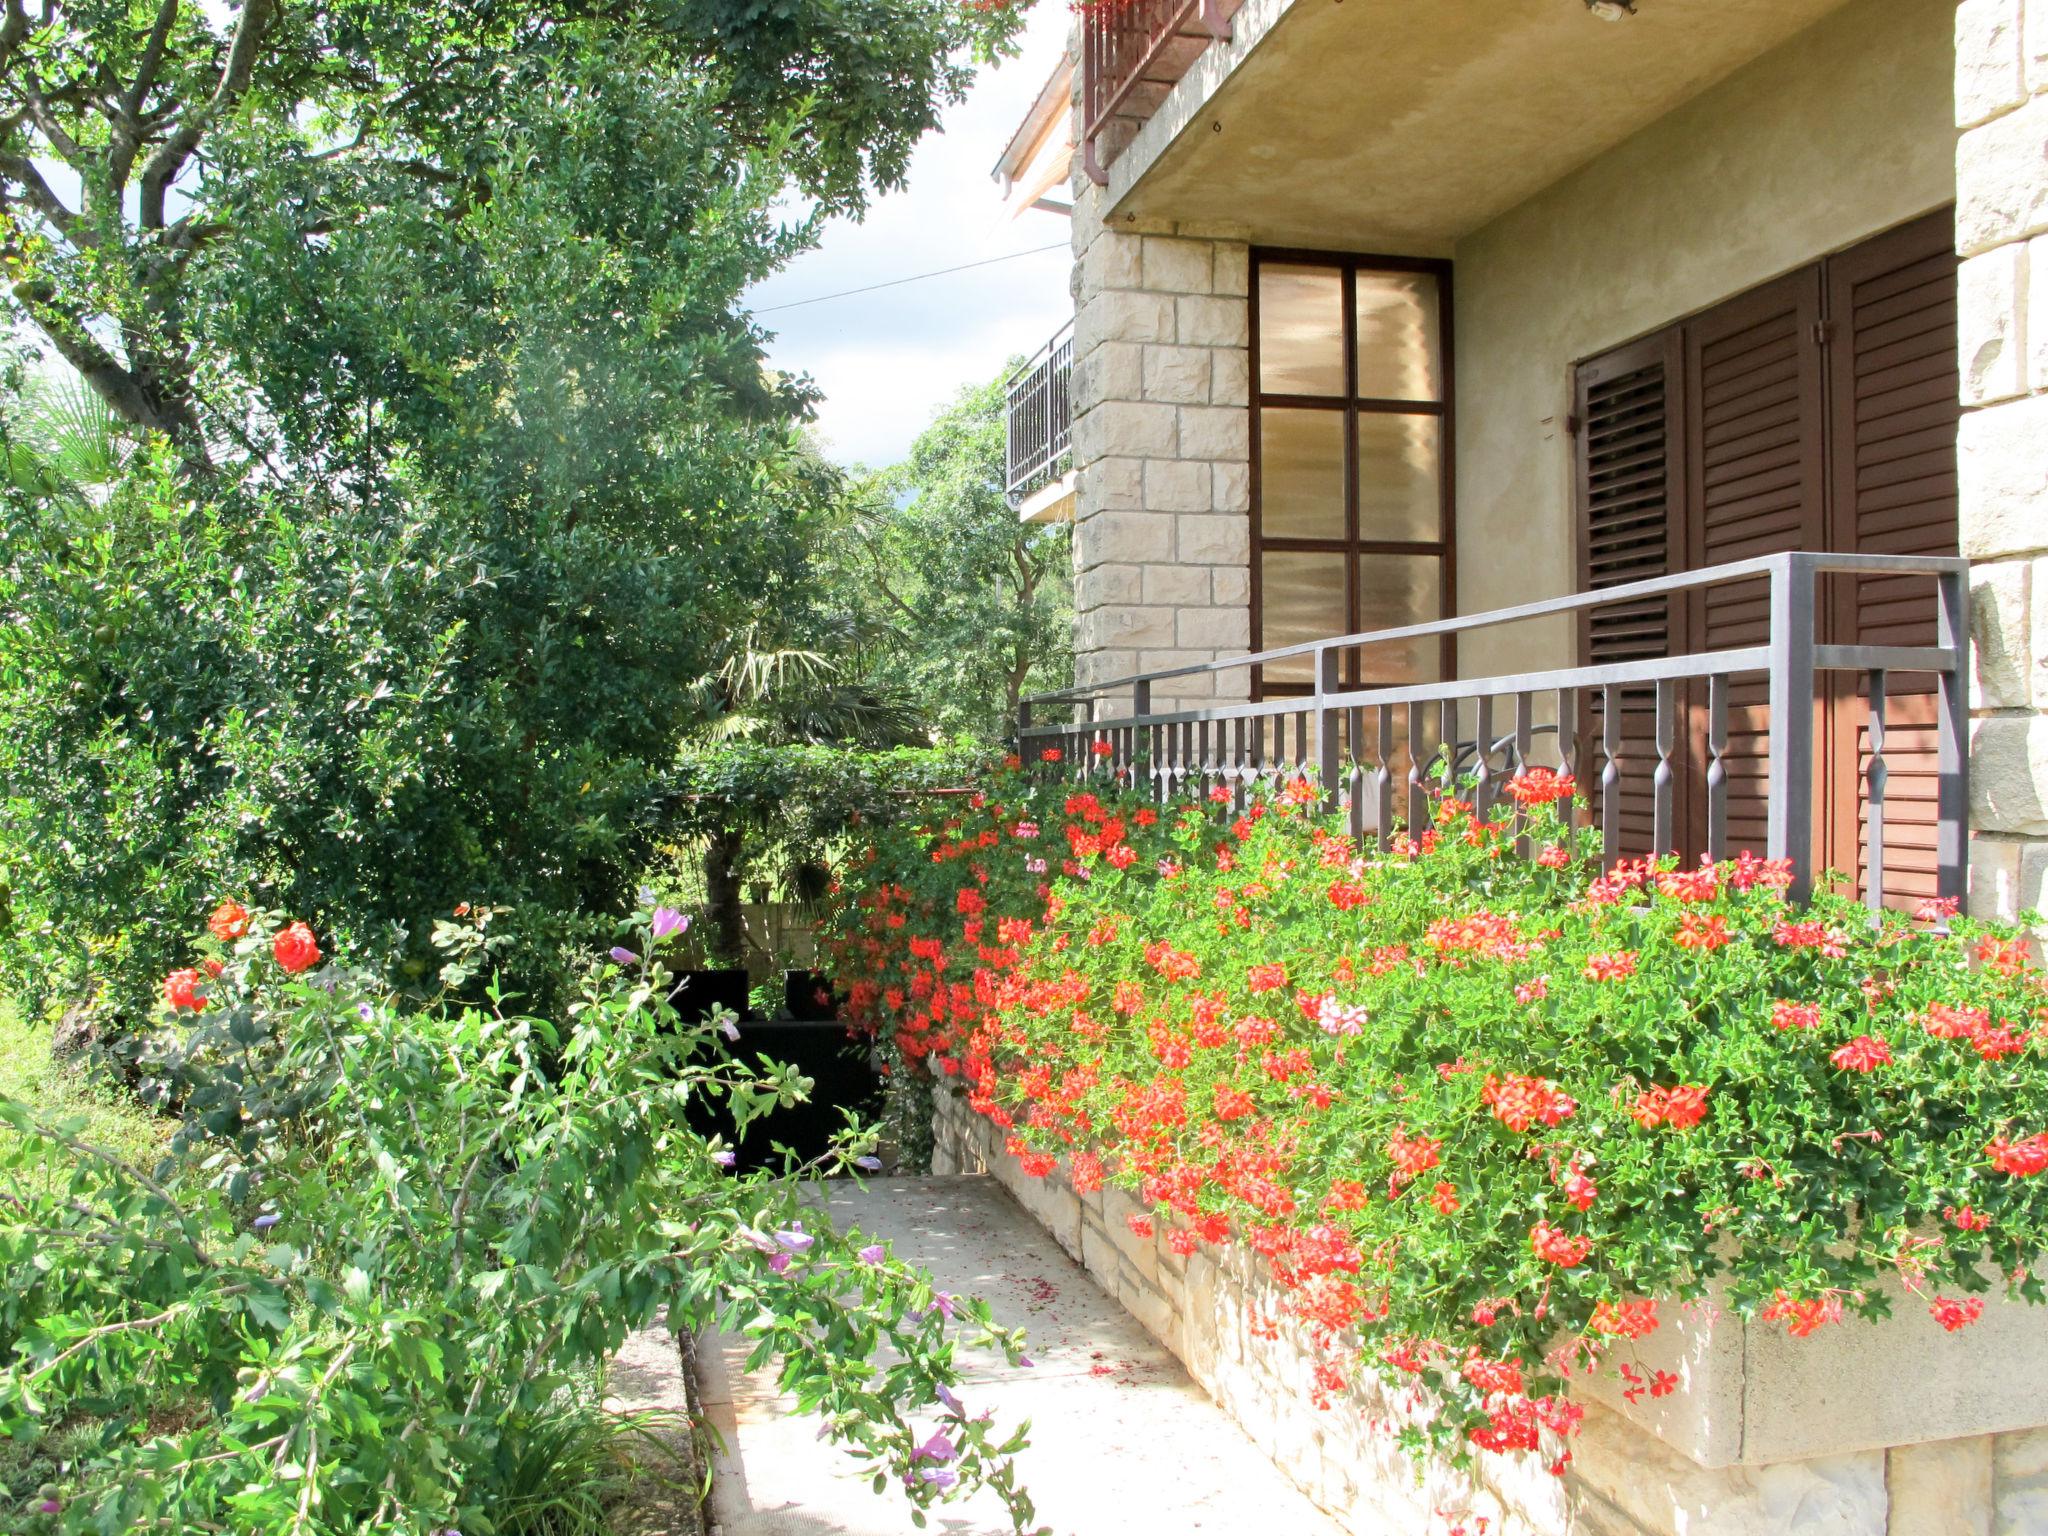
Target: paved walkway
[{"x": 1123, "y": 1443}]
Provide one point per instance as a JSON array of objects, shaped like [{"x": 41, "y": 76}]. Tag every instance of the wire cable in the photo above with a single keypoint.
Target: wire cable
[{"x": 919, "y": 277}]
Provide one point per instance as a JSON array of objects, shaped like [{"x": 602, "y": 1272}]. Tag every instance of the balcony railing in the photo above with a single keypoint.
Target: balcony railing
[
  {"x": 1132, "y": 54},
  {"x": 1038, "y": 423},
  {"x": 1357, "y": 741}
]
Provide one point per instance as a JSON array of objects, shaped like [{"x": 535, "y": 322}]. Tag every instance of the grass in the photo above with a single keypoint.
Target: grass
[{"x": 114, "y": 1122}]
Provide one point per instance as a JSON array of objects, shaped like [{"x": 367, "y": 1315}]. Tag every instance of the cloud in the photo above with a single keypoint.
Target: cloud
[{"x": 888, "y": 361}]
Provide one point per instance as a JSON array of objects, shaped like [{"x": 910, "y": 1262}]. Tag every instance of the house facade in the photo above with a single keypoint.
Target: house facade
[
  {"x": 1387, "y": 316},
  {"x": 1706, "y": 339}
]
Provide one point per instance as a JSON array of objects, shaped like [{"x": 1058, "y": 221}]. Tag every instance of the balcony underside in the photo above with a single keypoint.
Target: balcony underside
[{"x": 1373, "y": 125}]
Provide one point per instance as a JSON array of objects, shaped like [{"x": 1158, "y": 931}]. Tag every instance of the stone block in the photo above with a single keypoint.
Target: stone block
[
  {"x": 2009, "y": 775},
  {"x": 1183, "y": 266},
  {"x": 1113, "y": 370},
  {"x": 1125, "y": 429},
  {"x": 1995, "y": 877},
  {"x": 2002, "y": 472},
  {"x": 1226, "y": 631},
  {"x": 1215, "y": 230},
  {"x": 1177, "y": 374},
  {"x": 2036, "y": 291},
  {"x": 1229, "y": 376},
  {"x": 1943, "y": 1488},
  {"x": 2037, "y": 634},
  {"x": 2001, "y": 636},
  {"x": 1215, "y": 432},
  {"x": 1113, "y": 260},
  {"x": 1129, "y": 538},
  {"x": 1180, "y": 585},
  {"x": 1105, "y": 586},
  {"x": 1989, "y": 74},
  {"x": 1110, "y": 485},
  {"x": 1234, "y": 685},
  {"x": 1215, "y": 538},
  {"x": 1991, "y": 324},
  {"x": 2019, "y": 1473},
  {"x": 1129, "y": 626},
  {"x": 2001, "y": 188},
  {"x": 1233, "y": 270},
  {"x": 1123, "y": 315},
  {"x": 2034, "y": 45},
  {"x": 1177, "y": 485},
  {"x": 1230, "y": 587},
  {"x": 1210, "y": 321},
  {"x": 1233, "y": 486}
]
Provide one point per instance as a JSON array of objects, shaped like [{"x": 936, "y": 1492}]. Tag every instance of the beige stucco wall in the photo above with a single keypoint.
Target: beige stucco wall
[{"x": 1843, "y": 131}]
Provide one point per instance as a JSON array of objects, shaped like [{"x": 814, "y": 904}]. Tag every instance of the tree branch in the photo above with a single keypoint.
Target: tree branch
[
  {"x": 165, "y": 165},
  {"x": 22, "y": 170},
  {"x": 128, "y": 128}
]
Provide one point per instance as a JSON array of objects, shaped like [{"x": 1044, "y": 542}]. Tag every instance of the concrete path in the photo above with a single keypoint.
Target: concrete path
[{"x": 1122, "y": 1442}]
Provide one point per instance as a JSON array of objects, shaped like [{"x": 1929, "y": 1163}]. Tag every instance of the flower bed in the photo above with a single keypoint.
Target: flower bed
[{"x": 1481, "y": 1110}]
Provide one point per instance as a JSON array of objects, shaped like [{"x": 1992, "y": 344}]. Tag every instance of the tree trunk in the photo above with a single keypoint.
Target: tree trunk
[{"x": 722, "y": 897}]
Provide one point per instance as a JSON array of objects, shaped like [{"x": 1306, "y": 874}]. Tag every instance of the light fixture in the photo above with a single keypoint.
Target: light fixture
[{"x": 1612, "y": 10}]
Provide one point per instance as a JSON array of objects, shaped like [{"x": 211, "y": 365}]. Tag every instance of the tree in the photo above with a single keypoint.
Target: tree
[
  {"x": 978, "y": 604},
  {"x": 463, "y": 462}
]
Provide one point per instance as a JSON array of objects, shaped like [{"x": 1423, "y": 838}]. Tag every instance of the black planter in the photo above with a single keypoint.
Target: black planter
[
  {"x": 808, "y": 996},
  {"x": 838, "y": 1064},
  {"x": 700, "y": 994}
]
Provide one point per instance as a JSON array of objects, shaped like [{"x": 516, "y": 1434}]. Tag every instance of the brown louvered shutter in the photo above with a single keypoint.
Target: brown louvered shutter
[
  {"x": 1893, "y": 391},
  {"x": 1630, "y": 527},
  {"x": 1754, "y": 486}
]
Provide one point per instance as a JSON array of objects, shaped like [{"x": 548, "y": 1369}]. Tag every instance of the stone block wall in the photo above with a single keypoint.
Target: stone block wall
[
  {"x": 1623, "y": 1481},
  {"x": 2002, "y": 321},
  {"x": 1162, "y": 449}
]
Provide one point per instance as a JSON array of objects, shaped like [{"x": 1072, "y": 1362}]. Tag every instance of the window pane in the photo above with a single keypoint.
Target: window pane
[
  {"x": 1396, "y": 590},
  {"x": 1399, "y": 348},
  {"x": 1400, "y": 473},
  {"x": 1301, "y": 597},
  {"x": 1301, "y": 330},
  {"x": 1301, "y": 474}
]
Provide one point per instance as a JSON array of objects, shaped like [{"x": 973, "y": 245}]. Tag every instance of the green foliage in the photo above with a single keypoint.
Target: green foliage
[
  {"x": 1481, "y": 1109},
  {"x": 976, "y": 606},
  {"x": 71, "y": 1090},
  {"x": 374, "y": 1300},
  {"x": 463, "y": 468}
]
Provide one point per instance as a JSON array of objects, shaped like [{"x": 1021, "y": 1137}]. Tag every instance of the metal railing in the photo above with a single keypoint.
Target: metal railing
[
  {"x": 1123, "y": 43},
  {"x": 1038, "y": 420},
  {"x": 1347, "y": 737}
]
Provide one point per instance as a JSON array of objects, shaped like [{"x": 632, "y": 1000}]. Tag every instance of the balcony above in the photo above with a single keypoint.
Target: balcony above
[
  {"x": 1038, "y": 424},
  {"x": 1133, "y": 52},
  {"x": 1380, "y": 125}
]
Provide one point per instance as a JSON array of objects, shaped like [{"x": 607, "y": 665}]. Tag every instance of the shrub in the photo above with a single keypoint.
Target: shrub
[
  {"x": 390, "y": 1248},
  {"x": 1482, "y": 1109}
]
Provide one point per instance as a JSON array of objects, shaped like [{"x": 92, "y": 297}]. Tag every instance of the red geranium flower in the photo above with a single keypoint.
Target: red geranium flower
[
  {"x": 181, "y": 990},
  {"x": 1555, "y": 1246},
  {"x": 296, "y": 949},
  {"x": 2021, "y": 1159},
  {"x": 1866, "y": 1053},
  {"x": 1956, "y": 1314}
]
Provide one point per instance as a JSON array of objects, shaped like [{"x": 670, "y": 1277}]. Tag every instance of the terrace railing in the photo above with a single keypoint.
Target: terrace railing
[
  {"x": 1132, "y": 53},
  {"x": 1038, "y": 423},
  {"x": 1377, "y": 750}
]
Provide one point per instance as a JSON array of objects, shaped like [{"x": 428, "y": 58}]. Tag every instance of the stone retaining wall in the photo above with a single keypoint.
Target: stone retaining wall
[{"x": 1624, "y": 1480}]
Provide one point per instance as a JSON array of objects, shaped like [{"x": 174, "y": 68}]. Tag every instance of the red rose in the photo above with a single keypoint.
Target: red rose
[
  {"x": 296, "y": 949},
  {"x": 181, "y": 990},
  {"x": 229, "y": 922}
]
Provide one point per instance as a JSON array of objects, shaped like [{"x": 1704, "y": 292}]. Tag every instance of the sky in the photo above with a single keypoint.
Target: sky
[{"x": 889, "y": 361}]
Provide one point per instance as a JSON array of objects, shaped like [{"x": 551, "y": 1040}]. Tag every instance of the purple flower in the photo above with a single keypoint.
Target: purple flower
[
  {"x": 624, "y": 956},
  {"x": 794, "y": 1238},
  {"x": 1025, "y": 1361},
  {"x": 871, "y": 1164},
  {"x": 938, "y": 1448},
  {"x": 730, "y": 1026},
  {"x": 49, "y": 1507},
  {"x": 725, "y": 1159},
  {"x": 943, "y": 1477},
  {"x": 759, "y": 1242},
  {"x": 265, "y": 1222},
  {"x": 780, "y": 1263},
  {"x": 946, "y": 1396},
  {"x": 944, "y": 1301},
  {"x": 667, "y": 920},
  {"x": 872, "y": 1254},
  {"x": 365, "y": 1012}
]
